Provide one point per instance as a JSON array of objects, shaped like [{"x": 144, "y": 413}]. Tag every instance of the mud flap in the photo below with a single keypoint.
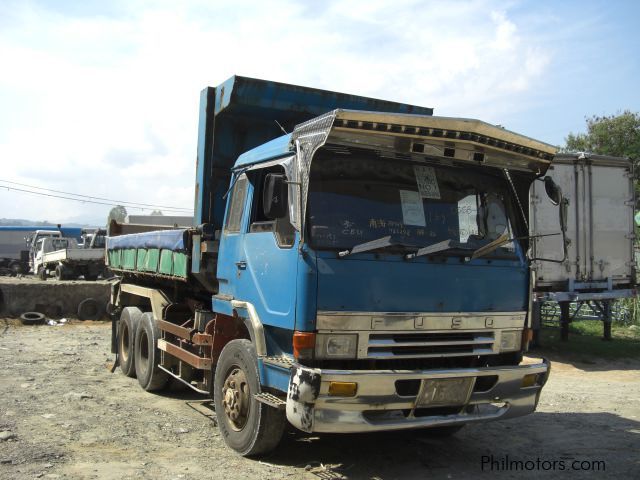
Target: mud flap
[{"x": 304, "y": 388}]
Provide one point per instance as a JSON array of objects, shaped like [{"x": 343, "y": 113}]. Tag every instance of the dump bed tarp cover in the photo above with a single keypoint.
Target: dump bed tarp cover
[{"x": 169, "y": 239}]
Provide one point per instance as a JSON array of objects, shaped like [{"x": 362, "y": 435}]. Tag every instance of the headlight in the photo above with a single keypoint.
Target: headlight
[
  {"x": 510, "y": 341},
  {"x": 336, "y": 346}
]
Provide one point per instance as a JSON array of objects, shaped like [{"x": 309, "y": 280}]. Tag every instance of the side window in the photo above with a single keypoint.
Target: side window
[
  {"x": 282, "y": 229},
  {"x": 234, "y": 217}
]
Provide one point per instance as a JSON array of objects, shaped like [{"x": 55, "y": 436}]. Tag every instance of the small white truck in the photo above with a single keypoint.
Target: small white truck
[{"x": 66, "y": 260}]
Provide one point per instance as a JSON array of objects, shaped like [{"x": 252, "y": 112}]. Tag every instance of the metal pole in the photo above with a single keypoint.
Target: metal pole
[
  {"x": 606, "y": 318},
  {"x": 564, "y": 321}
]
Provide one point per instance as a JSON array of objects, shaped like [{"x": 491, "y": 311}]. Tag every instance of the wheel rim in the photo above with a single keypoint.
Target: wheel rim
[
  {"x": 124, "y": 342},
  {"x": 144, "y": 351},
  {"x": 236, "y": 398}
]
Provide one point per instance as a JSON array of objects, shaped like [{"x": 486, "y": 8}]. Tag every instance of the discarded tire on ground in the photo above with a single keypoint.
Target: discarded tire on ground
[
  {"x": 89, "y": 309},
  {"x": 127, "y": 327},
  {"x": 32, "y": 318}
]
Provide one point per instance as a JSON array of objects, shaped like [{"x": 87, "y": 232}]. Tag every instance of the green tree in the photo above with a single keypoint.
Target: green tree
[{"x": 616, "y": 135}]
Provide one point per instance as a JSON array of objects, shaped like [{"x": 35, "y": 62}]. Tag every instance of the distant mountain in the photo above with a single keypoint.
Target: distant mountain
[{"x": 21, "y": 222}]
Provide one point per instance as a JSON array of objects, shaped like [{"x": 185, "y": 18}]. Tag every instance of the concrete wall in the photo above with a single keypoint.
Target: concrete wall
[{"x": 51, "y": 297}]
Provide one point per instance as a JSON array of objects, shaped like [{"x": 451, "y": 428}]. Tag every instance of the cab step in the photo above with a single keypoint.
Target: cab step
[{"x": 271, "y": 400}]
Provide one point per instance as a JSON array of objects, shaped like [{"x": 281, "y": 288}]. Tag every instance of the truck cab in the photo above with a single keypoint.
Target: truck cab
[
  {"x": 34, "y": 245},
  {"x": 365, "y": 272}
]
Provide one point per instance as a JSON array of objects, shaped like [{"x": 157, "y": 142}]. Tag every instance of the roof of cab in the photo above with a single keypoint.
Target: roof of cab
[{"x": 278, "y": 147}]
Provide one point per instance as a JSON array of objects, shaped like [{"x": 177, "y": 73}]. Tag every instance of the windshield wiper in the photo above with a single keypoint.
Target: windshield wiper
[
  {"x": 383, "y": 242},
  {"x": 498, "y": 242},
  {"x": 437, "y": 247}
]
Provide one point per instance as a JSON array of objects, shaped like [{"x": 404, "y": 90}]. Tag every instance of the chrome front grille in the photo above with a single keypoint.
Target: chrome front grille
[{"x": 429, "y": 344}]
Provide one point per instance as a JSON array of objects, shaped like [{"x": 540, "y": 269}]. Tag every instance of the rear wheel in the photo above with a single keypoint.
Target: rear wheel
[
  {"x": 129, "y": 321},
  {"x": 147, "y": 355},
  {"x": 248, "y": 426},
  {"x": 61, "y": 273}
]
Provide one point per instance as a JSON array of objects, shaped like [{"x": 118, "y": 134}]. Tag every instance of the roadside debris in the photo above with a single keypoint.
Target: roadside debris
[
  {"x": 78, "y": 395},
  {"x": 32, "y": 318},
  {"x": 6, "y": 435},
  {"x": 89, "y": 309}
]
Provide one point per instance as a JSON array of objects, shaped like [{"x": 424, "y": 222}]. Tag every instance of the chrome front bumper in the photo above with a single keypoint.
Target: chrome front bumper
[{"x": 497, "y": 394}]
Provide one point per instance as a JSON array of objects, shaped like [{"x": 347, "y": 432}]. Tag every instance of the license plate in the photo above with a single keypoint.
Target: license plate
[{"x": 445, "y": 391}]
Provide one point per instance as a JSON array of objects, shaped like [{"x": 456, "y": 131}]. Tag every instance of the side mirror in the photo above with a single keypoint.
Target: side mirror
[
  {"x": 553, "y": 190},
  {"x": 275, "y": 198}
]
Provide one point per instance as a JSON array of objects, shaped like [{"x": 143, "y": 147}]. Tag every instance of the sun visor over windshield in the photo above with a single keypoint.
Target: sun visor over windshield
[{"x": 417, "y": 136}]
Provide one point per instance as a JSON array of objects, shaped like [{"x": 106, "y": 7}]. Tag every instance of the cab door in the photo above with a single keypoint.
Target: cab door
[
  {"x": 229, "y": 262},
  {"x": 267, "y": 258}
]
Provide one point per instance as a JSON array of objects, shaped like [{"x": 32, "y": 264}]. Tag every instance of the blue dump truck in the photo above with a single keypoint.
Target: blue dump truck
[{"x": 355, "y": 265}]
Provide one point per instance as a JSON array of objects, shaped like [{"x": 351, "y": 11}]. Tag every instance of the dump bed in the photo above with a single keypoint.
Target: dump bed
[
  {"x": 242, "y": 113},
  {"x": 73, "y": 254}
]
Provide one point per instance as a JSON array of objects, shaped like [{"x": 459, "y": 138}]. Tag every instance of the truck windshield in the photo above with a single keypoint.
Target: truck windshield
[{"x": 355, "y": 199}]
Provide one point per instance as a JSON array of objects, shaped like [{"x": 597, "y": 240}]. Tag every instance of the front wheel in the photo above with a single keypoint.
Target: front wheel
[
  {"x": 16, "y": 268},
  {"x": 248, "y": 426}
]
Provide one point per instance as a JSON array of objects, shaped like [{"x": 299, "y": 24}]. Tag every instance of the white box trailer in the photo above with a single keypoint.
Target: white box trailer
[{"x": 599, "y": 203}]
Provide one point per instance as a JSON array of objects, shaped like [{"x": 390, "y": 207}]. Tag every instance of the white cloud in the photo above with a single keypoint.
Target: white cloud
[{"x": 106, "y": 104}]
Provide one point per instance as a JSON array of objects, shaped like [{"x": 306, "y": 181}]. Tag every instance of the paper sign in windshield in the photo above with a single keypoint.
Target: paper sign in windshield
[
  {"x": 427, "y": 182},
  {"x": 412, "y": 208}
]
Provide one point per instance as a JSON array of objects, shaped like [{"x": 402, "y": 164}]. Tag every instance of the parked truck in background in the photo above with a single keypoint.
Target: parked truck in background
[
  {"x": 594, "y": 264},
  {"x": 16, "y": 241},
  {"x": 67, "y": 260},
  {"x": 365, "y": 271}
]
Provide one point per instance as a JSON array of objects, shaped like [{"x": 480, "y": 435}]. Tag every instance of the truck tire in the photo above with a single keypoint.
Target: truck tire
[
  {"x": 61, "y": 273},
  {"x": 129, "y": 321},
  {"x": 89, "y": 309},
  {"x": 32, "y": 318},
  {"x": 16, "y": 268},
  {"x": 147, "y": 355},
  {"x": 42, "y": 273},
  {"x": 248, "y": 426}
]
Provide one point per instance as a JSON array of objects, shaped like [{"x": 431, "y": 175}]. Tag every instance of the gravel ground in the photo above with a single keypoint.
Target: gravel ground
[{"x": 64, "y": 415}]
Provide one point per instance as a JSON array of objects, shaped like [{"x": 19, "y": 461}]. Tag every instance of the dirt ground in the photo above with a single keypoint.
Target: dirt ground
[{"x": 64, "y": 415}]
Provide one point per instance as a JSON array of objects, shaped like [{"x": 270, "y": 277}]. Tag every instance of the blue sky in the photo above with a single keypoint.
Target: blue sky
[{"x": 101, "y": 98}]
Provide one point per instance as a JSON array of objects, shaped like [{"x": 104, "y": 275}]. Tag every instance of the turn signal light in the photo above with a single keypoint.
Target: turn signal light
[
  {"x": 303, "y": 344},
  {"x": 343, "y": 389},
  {"x": 529, "y": 380}
]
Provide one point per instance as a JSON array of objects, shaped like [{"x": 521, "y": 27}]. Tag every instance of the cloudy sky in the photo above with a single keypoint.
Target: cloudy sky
[{"x": 100, "y": 98}]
